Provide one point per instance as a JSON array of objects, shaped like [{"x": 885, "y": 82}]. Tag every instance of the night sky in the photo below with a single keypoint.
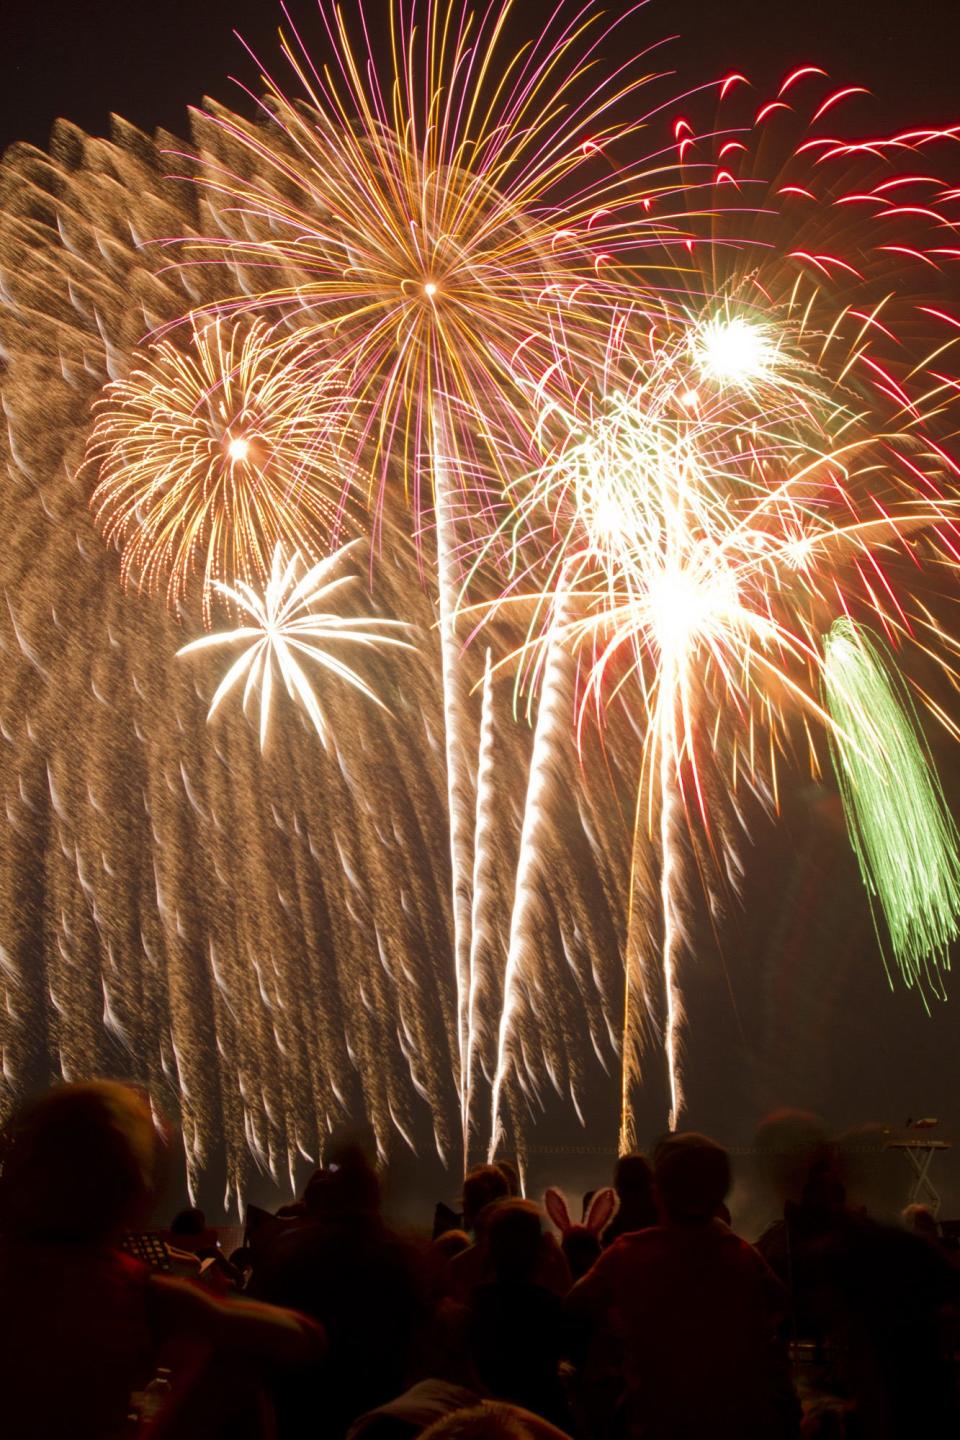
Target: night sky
[{"x": 85, "y": 58}]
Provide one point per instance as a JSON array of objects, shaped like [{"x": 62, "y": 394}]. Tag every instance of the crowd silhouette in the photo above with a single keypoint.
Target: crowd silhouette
[{"x": 644, "y": 1317}]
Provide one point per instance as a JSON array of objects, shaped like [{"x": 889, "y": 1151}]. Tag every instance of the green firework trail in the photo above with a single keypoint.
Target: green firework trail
[{"x": 902, "y": 833}]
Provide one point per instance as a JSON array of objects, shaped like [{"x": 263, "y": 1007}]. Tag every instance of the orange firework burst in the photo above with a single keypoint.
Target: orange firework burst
[
  {"x": 212, "y": 455},
  {"x": 433, "y": 211}
]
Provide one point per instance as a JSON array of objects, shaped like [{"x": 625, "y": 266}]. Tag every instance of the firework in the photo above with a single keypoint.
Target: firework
[
  {"x": 261, "y": 944},
  {"x": 426, "y": 215},
  {"x": 436, "y": 207},
  {"x": 210, "y": 456},
  {"x": 552, "y": 720},
  {"x": 905, "y": 840},
  {"x": 791, "y": 392},
  {"x": 288, "y": 628},
  {"x": 771, "y": 454},
  {"x": 702, "y": 534}
]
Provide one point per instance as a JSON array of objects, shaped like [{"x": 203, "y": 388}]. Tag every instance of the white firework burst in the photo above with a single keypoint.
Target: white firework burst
[{"x": 285, "y": 627}]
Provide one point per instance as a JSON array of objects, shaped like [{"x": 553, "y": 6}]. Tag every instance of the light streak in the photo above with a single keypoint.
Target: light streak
[
  {"x": 672, "y": 827},
  {"x": 485, "y": 861},
  {"x": 548, "y": 737},
  {"x": 460, "y": 789},
  {"x": 901, "y": 830}
]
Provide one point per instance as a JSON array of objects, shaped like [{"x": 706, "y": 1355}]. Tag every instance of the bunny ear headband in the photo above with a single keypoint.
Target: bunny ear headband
[
  {"x": 603, "y": 1207},
  {"x": 556, "y": 1207}
]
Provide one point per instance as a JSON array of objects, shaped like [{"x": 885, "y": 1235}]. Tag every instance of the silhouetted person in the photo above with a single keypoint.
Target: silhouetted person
[
  {"x": 920, "y": 1220},
  {"x": 633, "y": 1183},
  {"x": 693, "y": 1307},
  {"x": 344, "y": 1267},
  {"x": 450, "y": 1244},
  {"x": 482, "y": 1186},
  {"x": 884, "y": 1295},
  {"x": 515, "y": 1324},
  {"x": 484, "y": 1190},
  {"x": 491, "y": 1420},
  {"x": 804, "y": 1172},
  {"x": 189, "y": 1231},
  {"x": 408, "y": 1415},
  {"x": 512, "y": 1176},
  {"x": 85, "y": 1325}
]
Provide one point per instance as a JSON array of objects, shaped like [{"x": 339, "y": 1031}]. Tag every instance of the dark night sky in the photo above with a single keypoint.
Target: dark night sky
[{"x": 147, "y": 61}]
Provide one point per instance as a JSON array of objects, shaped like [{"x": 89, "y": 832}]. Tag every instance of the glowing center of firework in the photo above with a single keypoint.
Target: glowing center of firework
[
  {"x": 609, "y": 521},
  {"x": 430, "y": 289},
  {"x": 734, "y": 351},
  {"x": 798, "y": 552},
  {"x": 238, "y": 449},
  {"x": 685, "y": 605}
]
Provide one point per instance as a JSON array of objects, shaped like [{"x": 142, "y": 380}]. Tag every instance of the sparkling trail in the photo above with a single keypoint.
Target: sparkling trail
[
  {"x": 552, "y": 725},
  {"x": 485, "y": 860}
]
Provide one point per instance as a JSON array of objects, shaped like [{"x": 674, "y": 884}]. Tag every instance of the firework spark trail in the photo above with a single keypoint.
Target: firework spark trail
[
  {"x": 482, "y": 935},
  {"x": 672, "y": 826},
  {"x": 459, "y": 785},
  {"x": 552, "y": 725},
  {"x": 902, "y": 832},
  {"x": 636, "y": 998}
]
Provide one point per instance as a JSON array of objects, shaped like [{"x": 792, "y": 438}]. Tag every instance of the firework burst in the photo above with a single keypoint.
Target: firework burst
[
  {"x": 772, "y": 455},
  {"x": 901, "y": 829},
  {"x": 437, "y": 206},
  {"x": 288, "y": 628},
  {"x": 701, "y": 523},
  {"x": 426, "y": 215},
  {"x": 212, "y": 455}
]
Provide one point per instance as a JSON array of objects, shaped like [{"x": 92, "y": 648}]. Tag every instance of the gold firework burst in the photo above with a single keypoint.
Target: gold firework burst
[{"x": 209, "y": 456}]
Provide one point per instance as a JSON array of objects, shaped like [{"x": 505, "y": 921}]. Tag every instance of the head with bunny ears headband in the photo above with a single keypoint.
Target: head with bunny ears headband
[{"x": 580, "y": 1243}]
